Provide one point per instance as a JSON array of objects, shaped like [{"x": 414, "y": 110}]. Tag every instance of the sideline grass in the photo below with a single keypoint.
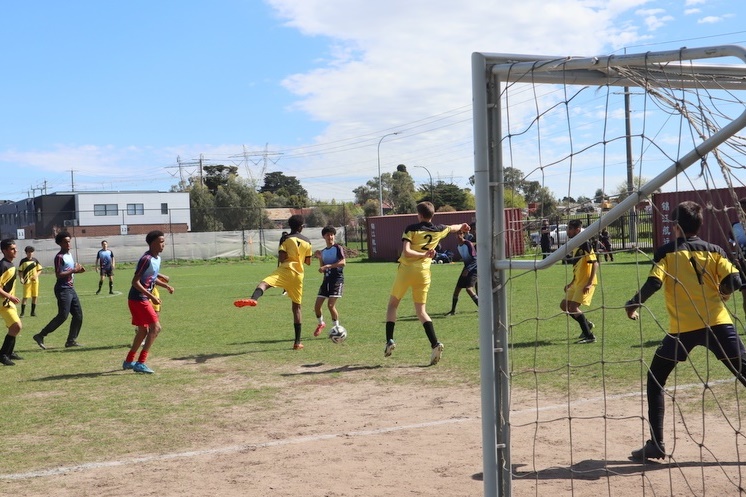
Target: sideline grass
[{"x": 71, "y": 406}]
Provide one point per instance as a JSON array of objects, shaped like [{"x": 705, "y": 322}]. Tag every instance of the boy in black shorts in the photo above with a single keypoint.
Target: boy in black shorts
[
  {"x": 697, "y": 277},
  {"x": 331, "y": 264}
]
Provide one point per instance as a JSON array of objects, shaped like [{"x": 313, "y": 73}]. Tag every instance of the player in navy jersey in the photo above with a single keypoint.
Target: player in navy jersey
[
  {"x": 467, "y": 280},
  {"x": 105, "y": 266},
  {"x": 68, "y": 303},
  {"x": 141, "y": 300},
  {"x": 331, "y": 264}
]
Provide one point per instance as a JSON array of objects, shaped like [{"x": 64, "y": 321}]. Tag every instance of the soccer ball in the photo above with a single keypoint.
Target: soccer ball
[{"x": 338, "y": 334}]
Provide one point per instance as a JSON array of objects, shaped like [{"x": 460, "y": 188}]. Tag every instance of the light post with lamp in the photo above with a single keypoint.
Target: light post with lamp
[
  {"x": 380, "y": 183},
  {"x": 432, "y": 194}
]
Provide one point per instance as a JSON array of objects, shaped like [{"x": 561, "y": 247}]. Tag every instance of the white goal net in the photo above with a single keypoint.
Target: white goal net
[{"x": 561, "y": 418}]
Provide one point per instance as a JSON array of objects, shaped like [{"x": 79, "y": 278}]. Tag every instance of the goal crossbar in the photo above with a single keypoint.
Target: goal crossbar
[{"x": 605, "y": 70}]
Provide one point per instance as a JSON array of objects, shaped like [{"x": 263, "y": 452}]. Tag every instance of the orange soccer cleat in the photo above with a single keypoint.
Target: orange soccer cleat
[{"x": 245, "y": 303}]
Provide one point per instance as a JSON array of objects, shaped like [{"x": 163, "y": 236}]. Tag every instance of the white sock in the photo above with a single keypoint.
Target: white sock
[
  {"x": 336, "y": 323},
  {"x": 321, "y": 319}
]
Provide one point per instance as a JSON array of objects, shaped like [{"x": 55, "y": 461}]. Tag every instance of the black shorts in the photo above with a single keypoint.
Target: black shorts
[
  {"x": 467, "y": 279},
  {"x": 722, "y": 340},
  {"x": 331, "y": 287},
  {"x": 108, "y": 272}
]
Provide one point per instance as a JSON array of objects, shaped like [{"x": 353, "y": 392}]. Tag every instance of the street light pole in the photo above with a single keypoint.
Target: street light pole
[
  {"x": 380, "y": 183},
  {"x": 432, "y": 195}
]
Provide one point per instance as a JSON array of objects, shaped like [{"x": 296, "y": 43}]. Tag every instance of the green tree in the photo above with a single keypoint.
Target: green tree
[
  {"x": 513, "y": 199},
  {"x": 214, "y": 177},
  {"x": 621, "y": 189},
  {"x": 546, "y": 203},
  {"x": 202, "y": 208},
  {"x": 276, "y": 184},
  {"x": 238, "y": 205},
  {"x": 460, "y": 199},
  {"x": 402, "y": 197},
  {"x": 368, "y": 191}
]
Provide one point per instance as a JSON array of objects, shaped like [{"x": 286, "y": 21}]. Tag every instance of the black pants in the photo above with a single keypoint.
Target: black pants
[{"x": 67, "y": 304}]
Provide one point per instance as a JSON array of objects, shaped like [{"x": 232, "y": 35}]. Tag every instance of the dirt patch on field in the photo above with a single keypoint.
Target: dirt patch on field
[{"x": 344, "y": 433}]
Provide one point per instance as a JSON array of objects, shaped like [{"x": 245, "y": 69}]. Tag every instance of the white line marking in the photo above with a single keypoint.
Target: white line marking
[
  {"x": 224, "y": 450},
  {"x": 311, "y": 438}
]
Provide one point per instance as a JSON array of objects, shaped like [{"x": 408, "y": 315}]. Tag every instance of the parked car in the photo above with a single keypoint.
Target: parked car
[{"x": 558, "y": 235}]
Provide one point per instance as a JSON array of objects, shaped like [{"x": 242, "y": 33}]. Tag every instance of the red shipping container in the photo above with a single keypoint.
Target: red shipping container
[{"x": 719, "y": 210}]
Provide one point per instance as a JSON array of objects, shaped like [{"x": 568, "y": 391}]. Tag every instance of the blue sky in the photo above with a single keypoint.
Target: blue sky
[{"x": 115, "y": 95}]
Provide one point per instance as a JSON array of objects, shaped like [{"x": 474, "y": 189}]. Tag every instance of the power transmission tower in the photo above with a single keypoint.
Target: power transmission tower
[
  {"x": 182, "y": 165},
  {"x": 263, "y": 157}
]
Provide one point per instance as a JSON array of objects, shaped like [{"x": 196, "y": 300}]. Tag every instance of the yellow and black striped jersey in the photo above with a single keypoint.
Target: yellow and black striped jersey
[
  {"x": 29, "y": 269},
  {"x": 582, "y": 259},
  {"x": 7, "y": 280}
]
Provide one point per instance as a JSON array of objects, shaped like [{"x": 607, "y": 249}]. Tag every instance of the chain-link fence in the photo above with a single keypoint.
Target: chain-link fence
[{"x": 257, "y": 235}]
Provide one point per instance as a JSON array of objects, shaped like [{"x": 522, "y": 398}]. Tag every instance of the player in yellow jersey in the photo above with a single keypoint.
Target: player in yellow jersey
[
  {"x": 29, "y": 270},
  {"x": 580, "y": 290},
  {"x": 295, "y": 253},
  {"x": 418, "y": 249},
  {"x": 697, "y": 277},
  {"x": 8, "y": 302}
]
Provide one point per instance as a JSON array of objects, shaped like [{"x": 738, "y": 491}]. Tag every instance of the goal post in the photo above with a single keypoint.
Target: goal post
[{"x": 660, "y": 76}]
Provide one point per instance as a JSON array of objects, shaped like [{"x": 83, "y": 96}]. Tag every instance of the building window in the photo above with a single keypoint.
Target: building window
[
  {"x": 164, "y": 208},
  {"x": 105, "y": 210},
  {"x": 135, "y": 209}
]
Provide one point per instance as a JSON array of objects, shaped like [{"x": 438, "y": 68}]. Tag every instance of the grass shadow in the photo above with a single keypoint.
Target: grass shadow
[
  {"x": 340, "y": 369},
  {"x": 75, "y": 376}
]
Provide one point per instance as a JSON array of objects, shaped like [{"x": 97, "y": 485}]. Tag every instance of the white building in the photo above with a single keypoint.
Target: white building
[{"x": 96, "y": 214}]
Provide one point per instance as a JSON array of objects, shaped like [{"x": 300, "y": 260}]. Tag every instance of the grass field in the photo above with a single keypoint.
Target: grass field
[{"x": 72, "y": 406}]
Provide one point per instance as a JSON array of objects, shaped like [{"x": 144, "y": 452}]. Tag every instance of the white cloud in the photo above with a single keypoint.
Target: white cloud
[
  {"x": 689, "y": 12},
  {"x": 710, "y": 20},
  {"x": 397, "y": 62},
  {"x": 390, "y": 66}
]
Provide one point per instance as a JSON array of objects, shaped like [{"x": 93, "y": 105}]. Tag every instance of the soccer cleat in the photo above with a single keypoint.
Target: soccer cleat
[
  {"x": 590, "y": 328},
  {"x": 318, "y": 329},
  {"x": 141, "y": 367},
  {"x": 587, "y": 339},
  {"x": 111, "y": 292},
  {"x": 72, "y": 344},
  {"x": 390, "y": 346},
  {"x": 128, "y": 365},
  {"x": 39, "y": 341},
  {"x": 650, "y": 450},
  {"x": 436, "y": 354},
  {"x": 15, "y": 356},
  {"x": 98, "y": 291},
  {"x": 297, "y": 346},
  {"x": 245, "y": 303},
  {"x": 450, "y": 313},
  {"x": 5, "y": 361}
]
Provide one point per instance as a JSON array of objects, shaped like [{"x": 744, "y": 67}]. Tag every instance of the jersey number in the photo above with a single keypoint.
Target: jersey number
[{"x": 429, "y": 239}]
